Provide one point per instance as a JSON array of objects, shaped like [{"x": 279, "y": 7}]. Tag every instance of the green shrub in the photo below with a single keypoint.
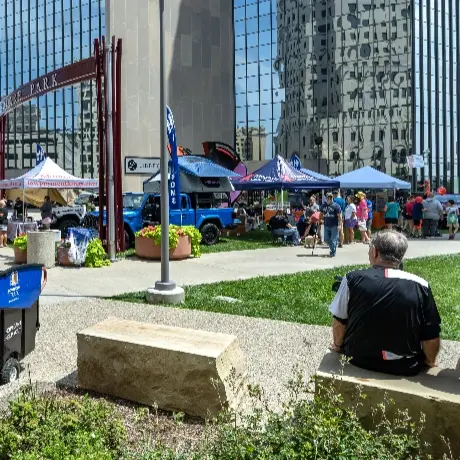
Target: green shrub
[
  {"x": 315, "y": 427},
  {"x": 95, "y": 255},
  {"x": 20, "y": 242},
  {"x": 154, "y": 233},
  {"x": 48, "y": 427}
]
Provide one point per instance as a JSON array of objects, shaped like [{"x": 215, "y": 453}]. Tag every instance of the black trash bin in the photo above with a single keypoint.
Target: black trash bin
[{"x": 20, "y": 289}]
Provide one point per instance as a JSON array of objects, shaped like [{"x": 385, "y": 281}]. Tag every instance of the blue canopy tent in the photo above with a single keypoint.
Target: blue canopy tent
[
  {"x": 197, "y": 174},
  {"x": 278, "y": 174},
  {"x": 369, "y": 178},
  {"x": 314, "y": 174}
]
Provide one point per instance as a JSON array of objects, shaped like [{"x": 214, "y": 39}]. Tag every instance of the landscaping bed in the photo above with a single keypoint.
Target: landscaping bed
[
  {"x": 73, "y": 426},
  {"x": 305, "y": 297}
]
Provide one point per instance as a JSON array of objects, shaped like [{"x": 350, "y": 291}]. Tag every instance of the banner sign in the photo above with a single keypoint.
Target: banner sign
[
  {"x": 415, "y": 161},
  {"x": 174, "y": 182},
  {"x": 69, "y": 75},
  {"x": 140, "y": 165},
  {"x": 40, "y": 154},
  {"x": 295, "y": 162}
]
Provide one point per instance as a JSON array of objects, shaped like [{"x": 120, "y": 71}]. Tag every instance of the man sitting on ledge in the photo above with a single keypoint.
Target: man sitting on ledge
[{"x": 385, "y": 319}]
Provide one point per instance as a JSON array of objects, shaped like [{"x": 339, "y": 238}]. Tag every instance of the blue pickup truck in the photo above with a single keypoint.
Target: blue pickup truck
[{"x": 200, "y": 210}]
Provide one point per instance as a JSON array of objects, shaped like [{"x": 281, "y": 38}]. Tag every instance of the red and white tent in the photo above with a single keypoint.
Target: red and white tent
[{"x": 47, "y": 174}]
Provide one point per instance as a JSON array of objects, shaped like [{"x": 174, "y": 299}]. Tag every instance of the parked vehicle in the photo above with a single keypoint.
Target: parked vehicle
[
  {"x": 200, "y": 210},
  {"x": 65, "y": 217}
]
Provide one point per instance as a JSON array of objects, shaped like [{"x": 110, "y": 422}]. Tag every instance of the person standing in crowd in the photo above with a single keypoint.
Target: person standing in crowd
[
  {"x": 391, "y": 211},
  {"x": 341, "y": 202},
  {"x": 331, "y": 214},
  {"x": 452, "y": 218},
  {"x": 3, "y": 224},
  {"x": 350, "y": 221},
  {"x": 47, "y": 213},
  {"x": 432, "y": 212},
  {"x": 362, "y": 214},
  {"x": 408, "y": 208},
  {"x": 370, "y": 216},
  {"x": 417, "y": 215}
]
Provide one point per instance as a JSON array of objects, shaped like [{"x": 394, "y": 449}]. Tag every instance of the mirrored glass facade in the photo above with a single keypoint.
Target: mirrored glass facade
[
  {"x": 437, "y": 95},
  {"x": 37, "y": 36},
  {"x": 351, "y": 75}
]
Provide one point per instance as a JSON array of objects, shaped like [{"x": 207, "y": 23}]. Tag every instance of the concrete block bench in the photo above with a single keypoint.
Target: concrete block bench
[
  {"x": 434, "y": 392},
  {"x": 195, "y": 372}
]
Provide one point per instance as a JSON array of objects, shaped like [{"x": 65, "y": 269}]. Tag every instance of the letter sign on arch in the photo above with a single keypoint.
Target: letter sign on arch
[{"x": 93, "y": 68}]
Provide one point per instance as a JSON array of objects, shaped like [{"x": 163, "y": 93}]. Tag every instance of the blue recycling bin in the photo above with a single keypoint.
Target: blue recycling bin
[{"x": 20, "y": 289}]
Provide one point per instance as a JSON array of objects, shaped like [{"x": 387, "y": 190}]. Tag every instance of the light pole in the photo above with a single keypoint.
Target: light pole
[
  {"x": 165, "y": 290},
  {"x": 318, "y": 142}
]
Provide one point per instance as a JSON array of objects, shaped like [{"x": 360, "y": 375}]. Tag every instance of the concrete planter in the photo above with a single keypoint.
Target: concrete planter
[
  {"x": 63, "y": 257},
  {"x": 20, "y": 257},
  {"x": 147, "y": 249}
]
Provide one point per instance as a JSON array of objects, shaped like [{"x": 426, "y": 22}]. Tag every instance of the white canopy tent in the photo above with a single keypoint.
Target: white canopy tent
[{"x": 47, "y": 174}]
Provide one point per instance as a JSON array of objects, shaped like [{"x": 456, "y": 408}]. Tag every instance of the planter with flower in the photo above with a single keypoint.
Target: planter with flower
[
  {"x": 183, "y": 242},
  {"x": 20, "y": 249},
  {"x": 96, "y": 257},
  {"x": 63, "y": 254}
]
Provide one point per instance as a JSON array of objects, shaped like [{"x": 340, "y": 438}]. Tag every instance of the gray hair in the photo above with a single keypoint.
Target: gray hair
[{"x": 391, "y": 245}]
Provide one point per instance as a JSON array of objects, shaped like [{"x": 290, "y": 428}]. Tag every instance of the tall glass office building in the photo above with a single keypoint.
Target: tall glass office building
[
  {"x": 37, "y": 36},
  {"x": 370, "y": 81}
]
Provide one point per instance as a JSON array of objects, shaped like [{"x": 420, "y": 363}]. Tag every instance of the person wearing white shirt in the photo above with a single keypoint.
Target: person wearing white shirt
[{"x": 350, "y": 220}]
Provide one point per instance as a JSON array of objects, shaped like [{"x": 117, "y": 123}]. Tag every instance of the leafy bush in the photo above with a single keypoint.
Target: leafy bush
[
  {"x": 154, "y": 233},
  {"x": 317, "y": 427},
  {"x": 20, "y": 242},
  {"x": 95, "y": 255},
  {"x": 48, "y": 427}
]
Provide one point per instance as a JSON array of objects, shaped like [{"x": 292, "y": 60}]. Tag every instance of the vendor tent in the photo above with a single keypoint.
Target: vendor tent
[
  {"x": 278, "y": 174},
  {"x": 47, "y": 174},
  {"x": 197, "y": 175},
  {"x": 370, "y": 178},
  {"x": 36, "y": 196},
  {"x": 314, "y": 174}
]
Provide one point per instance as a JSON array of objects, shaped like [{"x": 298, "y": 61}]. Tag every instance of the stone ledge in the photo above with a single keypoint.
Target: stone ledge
[
  {"x": 195, "y": 372},
  {"x": 434, "y": 392}
]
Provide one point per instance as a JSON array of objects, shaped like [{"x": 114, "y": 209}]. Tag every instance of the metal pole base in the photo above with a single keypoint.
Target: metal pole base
[{"x": 162, "y": 294}]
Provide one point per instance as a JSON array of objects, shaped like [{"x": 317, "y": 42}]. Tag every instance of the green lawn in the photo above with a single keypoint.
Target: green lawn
[
  {"x": 305, "y": 297},
  {"x": 255, "y": 239}
]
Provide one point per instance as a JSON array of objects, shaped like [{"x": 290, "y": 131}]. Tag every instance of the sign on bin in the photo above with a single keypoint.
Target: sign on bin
[{"x": 20, "y": 287}]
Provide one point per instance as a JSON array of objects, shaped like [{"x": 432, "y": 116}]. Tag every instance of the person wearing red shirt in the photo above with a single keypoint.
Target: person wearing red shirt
[{"x": 409, "y": 206}]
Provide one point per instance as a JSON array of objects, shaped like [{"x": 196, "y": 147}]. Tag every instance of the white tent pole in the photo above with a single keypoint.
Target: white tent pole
[
  {"x": 282, "y": 199},
  {"x": 23, "y": 204}
]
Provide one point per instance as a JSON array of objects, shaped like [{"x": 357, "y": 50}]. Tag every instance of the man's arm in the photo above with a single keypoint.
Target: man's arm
[
  {"x": 430, "y": 329},
  {"x": 431, "y": 350},
  {"x": 339, "y": 310}
]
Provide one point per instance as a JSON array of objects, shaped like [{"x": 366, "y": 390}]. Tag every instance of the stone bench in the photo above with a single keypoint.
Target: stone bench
[
  {"x": 195, "y": 372},
  {"x": 434, "y": 392}
]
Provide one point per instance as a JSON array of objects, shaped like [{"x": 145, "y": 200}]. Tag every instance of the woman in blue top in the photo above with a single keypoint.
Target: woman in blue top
[{"x": 391, "y": 213}]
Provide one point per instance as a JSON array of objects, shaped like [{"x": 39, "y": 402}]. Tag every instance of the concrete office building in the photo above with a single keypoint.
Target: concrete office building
[
  {"x": 376, "y": 80},
  {"x": 36, "y": 38}
]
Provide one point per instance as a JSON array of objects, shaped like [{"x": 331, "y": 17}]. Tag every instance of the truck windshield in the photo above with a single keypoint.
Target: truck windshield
[{"x": 133, "y": 201}]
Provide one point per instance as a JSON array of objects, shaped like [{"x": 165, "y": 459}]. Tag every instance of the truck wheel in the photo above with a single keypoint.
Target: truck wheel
[
  {"x": 10, "y": 371},
  {"x": 210, "y": 233},
  {"x": 128, "y": 239},
  {"x": 65, "y": 224}
]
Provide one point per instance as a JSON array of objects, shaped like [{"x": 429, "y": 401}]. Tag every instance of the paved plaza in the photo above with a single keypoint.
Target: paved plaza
[{"x": 73, "y": 301}]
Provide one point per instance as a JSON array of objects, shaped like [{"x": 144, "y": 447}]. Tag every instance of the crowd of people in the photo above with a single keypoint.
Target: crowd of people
[{"x": 339, "y": 219}]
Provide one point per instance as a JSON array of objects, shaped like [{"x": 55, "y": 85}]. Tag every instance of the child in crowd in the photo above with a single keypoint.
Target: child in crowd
[
  {"x": 417, "y": 215},
  {"x": 452, "y": 218}
]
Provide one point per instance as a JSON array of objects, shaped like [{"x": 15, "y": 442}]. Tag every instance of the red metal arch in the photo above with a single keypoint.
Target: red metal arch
[{"x": 87, "y": 69}]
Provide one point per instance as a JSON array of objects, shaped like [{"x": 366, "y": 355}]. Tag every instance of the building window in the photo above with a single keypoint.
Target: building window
[
  {"x": 381, "y": 135},
  {"x": 335, "y": 137},
  {"x": 395, "y": 134},
  {"x": 303, "y": 141},
  {"x": 353, "y": 137}
]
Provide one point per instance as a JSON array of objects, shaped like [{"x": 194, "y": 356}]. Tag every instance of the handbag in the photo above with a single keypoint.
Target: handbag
[{"x": 315, "y": 217}]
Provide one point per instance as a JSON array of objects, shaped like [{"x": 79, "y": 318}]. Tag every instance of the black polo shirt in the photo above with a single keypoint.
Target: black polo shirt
[{"x": 388, "y": 313}]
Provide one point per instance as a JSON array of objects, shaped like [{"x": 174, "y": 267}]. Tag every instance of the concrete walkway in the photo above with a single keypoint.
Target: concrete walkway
[
  {"x": 130, "y": 275},
  {"x": 272, "y": 348}
]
